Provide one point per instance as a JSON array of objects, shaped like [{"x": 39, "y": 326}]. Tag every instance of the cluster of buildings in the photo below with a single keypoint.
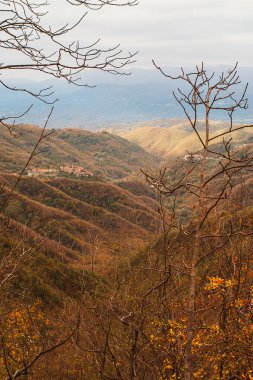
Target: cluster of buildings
[
  {"x": 199, "y": 157},
  {"x": 77, "y": 170},
  {"x": 192, "y": 157}
]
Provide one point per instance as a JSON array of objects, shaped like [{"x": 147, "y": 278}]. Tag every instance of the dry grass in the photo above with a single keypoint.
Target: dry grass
[{"x": 174, "y": 140}]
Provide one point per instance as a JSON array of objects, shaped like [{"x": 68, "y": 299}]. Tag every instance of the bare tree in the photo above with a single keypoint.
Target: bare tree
[
  {"x": 32, "y": 45},
  {"x": 28, "y": 44},
  {"x": 93, "y": 4},
  {"x": 207, "y": 180}
]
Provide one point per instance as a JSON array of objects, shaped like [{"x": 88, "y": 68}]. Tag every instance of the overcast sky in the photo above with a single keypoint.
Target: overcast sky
[
  {"x": 174, "y": 33},
  {"x": 180, "y": 32}
]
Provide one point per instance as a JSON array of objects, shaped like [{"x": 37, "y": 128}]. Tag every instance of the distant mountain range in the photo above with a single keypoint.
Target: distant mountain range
[{"x": 143, "y": 96}]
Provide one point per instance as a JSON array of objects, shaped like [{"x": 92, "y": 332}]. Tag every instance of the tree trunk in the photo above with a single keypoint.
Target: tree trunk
[{"x": 191, "y": 323}]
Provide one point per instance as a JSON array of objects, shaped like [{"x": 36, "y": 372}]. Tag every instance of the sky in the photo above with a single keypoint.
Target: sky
[{"x": 174, "y": 33}]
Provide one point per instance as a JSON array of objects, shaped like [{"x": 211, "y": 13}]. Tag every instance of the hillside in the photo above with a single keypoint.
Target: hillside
[
  {"x": 100, "y": 153},
  {"x": 83, "y": 216},
  {"x": 40, "y": 267},
  {"x": 174, "y": 140},
  {"x": 86, "y": 253}
]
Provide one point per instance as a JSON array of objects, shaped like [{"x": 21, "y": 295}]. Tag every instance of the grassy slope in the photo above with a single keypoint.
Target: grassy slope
[{"x": 174, "y": 140}]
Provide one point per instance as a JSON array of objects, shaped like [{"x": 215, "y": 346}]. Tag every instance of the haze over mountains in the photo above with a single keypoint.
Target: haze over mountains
[{"x": 144, "y": 95}]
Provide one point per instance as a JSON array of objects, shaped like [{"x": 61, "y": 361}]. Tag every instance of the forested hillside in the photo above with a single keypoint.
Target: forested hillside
[
  {"x": 83, "y": 216},
  {"x": 100, "y": 153}
]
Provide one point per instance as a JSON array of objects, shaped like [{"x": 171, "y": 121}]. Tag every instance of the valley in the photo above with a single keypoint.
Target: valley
[
  {"x": 98, "y": 230},
  {"x": 84, "y": 193},
  {"x": 85, "y": 189},
  {"x": 126, "y": 190}
]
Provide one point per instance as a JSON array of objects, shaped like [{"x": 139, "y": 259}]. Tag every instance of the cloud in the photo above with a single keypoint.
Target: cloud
[{"x": 180, "y": 32}]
